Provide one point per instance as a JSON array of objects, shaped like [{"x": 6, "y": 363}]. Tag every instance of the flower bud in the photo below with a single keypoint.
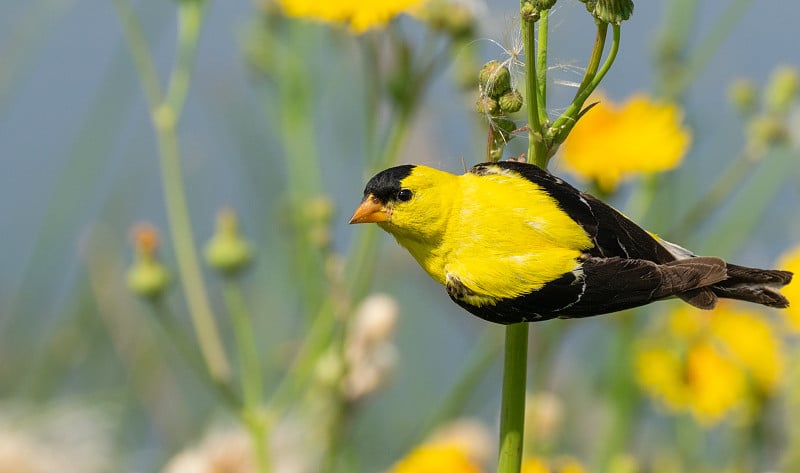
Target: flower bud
[
  {"x": 318, "y": 213},
  {"x": 612, "y": 11},
  {"x": 319, "y": 209},
  {"x": 766, "y": 130},
  {"x": 454, "y": 18},
  {"x": 227, "y": 251},
  {"x": 487, "y": 106},
  {"x": 495, "y": 79},
  {"x": 147, "y": 277},
  {"x": 544, "y": 4},
  {"x": 529, "y": 12},
  {"x": 742, "y": 94},
  {"x": 782, "y": 89},
  {"x": 504, "y": 126},
  {"x": 511, "y": 101}
]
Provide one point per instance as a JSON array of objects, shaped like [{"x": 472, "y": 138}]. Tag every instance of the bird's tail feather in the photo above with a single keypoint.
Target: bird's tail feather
[
  {"x": 760, "y": 286},
  {"x": 754, "y": 285},
  {"x": 694, "y": 276}
]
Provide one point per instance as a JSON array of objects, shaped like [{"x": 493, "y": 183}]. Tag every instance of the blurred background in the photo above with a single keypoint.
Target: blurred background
[{"x": 86, "y": 370}]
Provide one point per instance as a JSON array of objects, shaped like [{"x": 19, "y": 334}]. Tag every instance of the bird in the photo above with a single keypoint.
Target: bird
[{"x": 513, "y": 243}]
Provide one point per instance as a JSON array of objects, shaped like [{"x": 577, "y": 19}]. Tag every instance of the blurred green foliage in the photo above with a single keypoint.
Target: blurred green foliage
[{"x": 283, "y": 120}]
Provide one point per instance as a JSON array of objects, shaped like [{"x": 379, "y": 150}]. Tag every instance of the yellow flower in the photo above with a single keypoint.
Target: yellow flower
[
  {"x": 613, "y": 142},
  {"x": 358, "y": 15},
  {"x": 749, "y": 341},
  {"x": 710, "y": 364},
  {"x": 437, "y": 458},
  {"x": 535, "y": 465},
  {"x": 790, "y": 261},
  {"x": 559, "y": 465}
]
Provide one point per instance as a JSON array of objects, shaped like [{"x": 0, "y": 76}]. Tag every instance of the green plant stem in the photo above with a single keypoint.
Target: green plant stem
[
  {"x": 594, "y": 59},
  {"x": 372, "y": 81},
  {"x": 185, "y": 252},
  {"x": 254, "y": 418},
  {"x": 512, "y": 412},
  {"x": 563, "y": 125},
  {"x": 295, "y": 96},
  {"x": 165, "y": 119},
  {"x": 537, "y": 152},
  {"x": 360, "y": 263},
  {"x": 142, "y": 60},
  {"x": 541, "y": 67},
  {"x": 190, "y": 19},
  {"x": 241, "y": 321}
]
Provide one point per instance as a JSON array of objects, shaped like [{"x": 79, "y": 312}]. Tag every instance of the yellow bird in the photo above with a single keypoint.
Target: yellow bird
[{"x": 513, "y": 243}]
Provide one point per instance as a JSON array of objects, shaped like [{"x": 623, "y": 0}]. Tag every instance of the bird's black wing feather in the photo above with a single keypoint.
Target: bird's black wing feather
[
  {"x": 603, "y": 285},
  {"x": 613, "y": 234},
  {"x": 542, "y": 304}
]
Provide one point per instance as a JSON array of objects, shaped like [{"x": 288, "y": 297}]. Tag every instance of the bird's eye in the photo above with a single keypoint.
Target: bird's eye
[{"x": 404, "y": 195}]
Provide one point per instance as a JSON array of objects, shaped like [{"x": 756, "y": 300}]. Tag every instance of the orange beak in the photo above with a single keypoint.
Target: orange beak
[{"x": 371, "y": 210}]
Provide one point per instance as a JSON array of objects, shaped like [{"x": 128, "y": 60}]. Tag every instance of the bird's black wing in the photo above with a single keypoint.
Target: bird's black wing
[
  {"x": 613, "y": 234},
  {"x": 603, "y": 285}
]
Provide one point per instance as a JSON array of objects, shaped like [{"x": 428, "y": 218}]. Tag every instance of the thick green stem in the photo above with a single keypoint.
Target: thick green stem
[
  {"x": 512, "y": 412},
  {"x": 562, "y": 126},
  {"x": 537, "y": 152},
  {"x": 541, "y": 67},
  {"x": 594, "y": 58}
]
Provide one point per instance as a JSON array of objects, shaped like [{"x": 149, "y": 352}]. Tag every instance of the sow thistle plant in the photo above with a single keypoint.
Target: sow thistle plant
[{"x": 708, "y": 366}]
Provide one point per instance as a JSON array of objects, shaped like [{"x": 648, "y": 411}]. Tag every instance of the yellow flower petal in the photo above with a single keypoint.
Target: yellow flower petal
[
  {"x": 358, "y": 15},
  {"x": 534, "y": 465},
  {"x": 436, "y": 458},
  {"x": 790, "y": 261},
  {"x": 711, "y": 363},
  {"x": 715, "y": 385},
  {"x": 614, "y": 142},
  {"x": 750, "y": 341}
]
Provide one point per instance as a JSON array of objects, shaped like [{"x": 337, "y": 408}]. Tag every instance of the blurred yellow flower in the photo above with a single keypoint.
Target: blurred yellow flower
[
  {"x": 437, "y": 458},
  {"x": 559, "y": 465},
  {"x": 358, "y": 15},
  {"x": 613, "y": 142},
  {"x": 459, "y": 446},
  {"x": 790, "y": 261},
  {"x": 710, "y": 364}
]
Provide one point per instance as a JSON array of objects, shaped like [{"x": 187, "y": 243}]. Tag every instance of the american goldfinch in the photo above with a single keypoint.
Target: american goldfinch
[{"x": 513, "y": 243}]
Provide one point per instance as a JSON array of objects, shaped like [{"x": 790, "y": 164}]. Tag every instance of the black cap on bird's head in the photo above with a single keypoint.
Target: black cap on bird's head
[
  {"x": 382, "y": 189},
  {"x": 386, "y": 184}
]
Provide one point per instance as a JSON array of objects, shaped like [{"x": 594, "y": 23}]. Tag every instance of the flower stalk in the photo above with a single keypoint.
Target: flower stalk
[
  {"x": 512, "y": 412},
  {"x": 165, "y": 112}
]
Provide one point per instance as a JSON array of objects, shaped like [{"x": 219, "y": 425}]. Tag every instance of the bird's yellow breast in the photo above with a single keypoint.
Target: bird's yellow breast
[{"x": 504, "y": 236}]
